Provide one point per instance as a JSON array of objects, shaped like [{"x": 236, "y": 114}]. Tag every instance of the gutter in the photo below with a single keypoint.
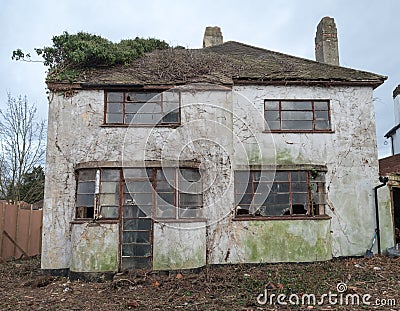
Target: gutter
[{"x": 383, "y": 181}]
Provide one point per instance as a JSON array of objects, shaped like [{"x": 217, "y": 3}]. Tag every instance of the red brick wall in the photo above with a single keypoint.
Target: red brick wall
[{"x": 389, "y": 165}]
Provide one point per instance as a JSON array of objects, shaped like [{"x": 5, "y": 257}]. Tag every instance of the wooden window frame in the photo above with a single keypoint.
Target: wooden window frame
[
  {"x": 313, "y": 111},
  {"x": 124, "y": 102},
  {"x": 152, "y": 179},
  {"x": 316, "y": 198}
]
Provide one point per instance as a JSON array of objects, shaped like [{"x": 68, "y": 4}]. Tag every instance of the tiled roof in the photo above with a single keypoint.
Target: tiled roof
[{"x": 228, "y": 63}]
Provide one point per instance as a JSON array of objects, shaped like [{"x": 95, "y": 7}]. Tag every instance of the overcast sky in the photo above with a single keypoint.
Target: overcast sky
[{"x": 367, "y": 30}]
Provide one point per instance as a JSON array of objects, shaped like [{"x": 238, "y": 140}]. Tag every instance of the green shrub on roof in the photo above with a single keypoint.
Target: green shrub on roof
[{"x": 71, "y": 54}]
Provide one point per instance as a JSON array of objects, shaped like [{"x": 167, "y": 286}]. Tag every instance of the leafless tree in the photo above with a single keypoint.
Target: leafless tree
[{"x": 22, "y": 145}]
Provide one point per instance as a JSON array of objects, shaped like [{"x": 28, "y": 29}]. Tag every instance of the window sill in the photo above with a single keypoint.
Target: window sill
[
  {"x": 267, "y": 218},
  {"x": 300, "y": 131},
  {"x": 182, "y": 220},
  {"x": 91, "y": 220},
  {"x": 142, "y": 125}
]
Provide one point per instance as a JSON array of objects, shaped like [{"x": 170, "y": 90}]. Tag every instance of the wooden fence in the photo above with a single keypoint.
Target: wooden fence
[{"x": 20, "y": 231}]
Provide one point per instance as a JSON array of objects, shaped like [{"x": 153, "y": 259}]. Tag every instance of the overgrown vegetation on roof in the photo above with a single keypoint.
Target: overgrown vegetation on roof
[{"x": 71, "y": 54}]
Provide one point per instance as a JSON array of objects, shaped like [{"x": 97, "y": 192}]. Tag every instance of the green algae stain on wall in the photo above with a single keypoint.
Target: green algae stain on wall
[
  {"x": 179, "y": 246},
  {"x": 95, "y": 248},
  {"x": 175, "y": 259},
  {"x": 284, "y": 157},
  {"x": 290, "y": 241}
]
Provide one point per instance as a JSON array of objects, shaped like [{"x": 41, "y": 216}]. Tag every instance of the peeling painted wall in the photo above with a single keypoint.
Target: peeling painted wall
[{"x": 223, "y": 130}]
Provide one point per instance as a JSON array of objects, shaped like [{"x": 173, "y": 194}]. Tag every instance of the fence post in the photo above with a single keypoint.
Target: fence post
[
  {"x": 16, "y": 231},
  {"x": 29, "y": 230},
  {"x": 2, "y": 216}
]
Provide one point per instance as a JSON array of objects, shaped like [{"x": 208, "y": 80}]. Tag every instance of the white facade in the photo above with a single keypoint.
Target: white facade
[
  {"x": 221, "y": 131},
  {"x": 395, "y": 135}
]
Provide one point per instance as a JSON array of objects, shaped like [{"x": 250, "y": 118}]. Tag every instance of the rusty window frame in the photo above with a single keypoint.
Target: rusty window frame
[
  {"x": 159, "y": 98},
  {"x": 313, "y": 188},
  {"x": 105, "y": 206},
  {"x": 280, "y": 111},
  {"x": 85, "y": 211},
  {"x": 88, "y": 212}
]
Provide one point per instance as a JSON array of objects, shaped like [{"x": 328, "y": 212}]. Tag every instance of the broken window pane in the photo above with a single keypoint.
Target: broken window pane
[
  {"x": 142, "y": 96},
  {"x": 299, "y": 209},
  {"x": 84, "y": 212},
  {"x": 288, "y": 195}
]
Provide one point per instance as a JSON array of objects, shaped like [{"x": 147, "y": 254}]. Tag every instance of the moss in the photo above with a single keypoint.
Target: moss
[
  {"x": 96, "y": 250},
  {"x": 178, "y": 259},
  {"x": 292, "y": 241},
  {"x": 284, "y": 157}
]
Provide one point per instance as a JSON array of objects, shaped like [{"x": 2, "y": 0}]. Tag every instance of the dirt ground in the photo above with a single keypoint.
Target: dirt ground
[{"x": 228, "y": 287}]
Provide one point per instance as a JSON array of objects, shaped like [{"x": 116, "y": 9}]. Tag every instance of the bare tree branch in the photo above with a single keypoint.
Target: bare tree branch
[{"x": 22, "y": 145}]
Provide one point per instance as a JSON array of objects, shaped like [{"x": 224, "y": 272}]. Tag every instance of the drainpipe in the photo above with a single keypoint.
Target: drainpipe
[{"x": 383, "y": 181}]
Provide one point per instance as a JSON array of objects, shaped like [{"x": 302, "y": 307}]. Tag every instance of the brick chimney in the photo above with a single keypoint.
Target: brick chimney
[
  {"x": 212, "y": 36},
  {"x": 326, "y": 42}
]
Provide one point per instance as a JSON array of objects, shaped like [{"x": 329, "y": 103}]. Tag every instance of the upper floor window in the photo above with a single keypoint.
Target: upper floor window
[
  {"x": 174, "y": 193},
  {"x": 280, "y": 193},
  {"x": 142, "y": 108},
  {"x": 297, "y": 115}
]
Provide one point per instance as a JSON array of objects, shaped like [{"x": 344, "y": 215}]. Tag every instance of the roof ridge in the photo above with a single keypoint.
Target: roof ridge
[{"x": 299, "y": 58}]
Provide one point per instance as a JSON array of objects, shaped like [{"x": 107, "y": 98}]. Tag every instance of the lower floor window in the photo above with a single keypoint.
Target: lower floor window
[
  {"x": 280, "y": 193},
  {"x": 174, "y": 193}
]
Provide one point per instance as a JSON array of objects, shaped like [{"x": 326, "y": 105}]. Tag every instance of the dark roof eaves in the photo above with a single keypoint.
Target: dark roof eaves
[
  {"x": 392, "y": 130},
  {"x": 325, "y": 83},
  {"x": 396, "y": 91}
]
